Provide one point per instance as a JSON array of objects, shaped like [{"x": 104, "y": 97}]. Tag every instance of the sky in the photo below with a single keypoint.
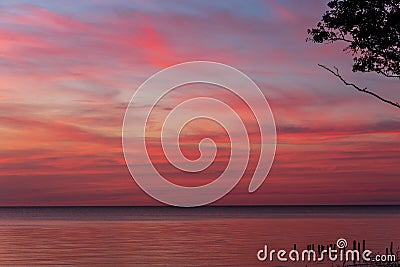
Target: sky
[{"x": 68, "y": 70}]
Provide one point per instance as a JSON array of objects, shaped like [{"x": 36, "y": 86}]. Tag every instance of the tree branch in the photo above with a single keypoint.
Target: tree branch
[
  {"x": 333, "y": 39},
  {"x": 363, "y": 90},
  {"x": 388, "y": 75}
]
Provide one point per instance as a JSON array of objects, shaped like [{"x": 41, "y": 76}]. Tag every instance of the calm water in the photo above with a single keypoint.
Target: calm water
[{"x": 163, "y": 236}]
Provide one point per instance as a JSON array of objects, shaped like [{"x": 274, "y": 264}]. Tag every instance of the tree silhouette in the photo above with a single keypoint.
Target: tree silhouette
[{"x": 371, "y": 30}]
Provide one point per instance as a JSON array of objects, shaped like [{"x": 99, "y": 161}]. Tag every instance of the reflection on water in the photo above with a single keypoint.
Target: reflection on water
[{"x": 183, "y": 237}]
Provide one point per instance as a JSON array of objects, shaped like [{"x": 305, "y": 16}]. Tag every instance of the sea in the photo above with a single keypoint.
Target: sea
[{"x": 205, "y": 236}]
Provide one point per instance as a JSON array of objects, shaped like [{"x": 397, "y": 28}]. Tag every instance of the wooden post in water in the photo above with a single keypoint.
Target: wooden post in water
[{"x": 363, "y": 248}]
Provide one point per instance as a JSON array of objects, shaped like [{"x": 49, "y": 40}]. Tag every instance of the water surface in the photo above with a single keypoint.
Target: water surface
[{"x": 165, "y": 236}]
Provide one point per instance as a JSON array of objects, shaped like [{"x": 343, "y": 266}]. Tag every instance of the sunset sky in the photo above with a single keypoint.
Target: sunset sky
[{"x": 69, "y": 68}]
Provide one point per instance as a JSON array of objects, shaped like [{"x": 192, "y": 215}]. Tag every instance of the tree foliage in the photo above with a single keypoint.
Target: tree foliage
[{"x": 371, "y": 28}]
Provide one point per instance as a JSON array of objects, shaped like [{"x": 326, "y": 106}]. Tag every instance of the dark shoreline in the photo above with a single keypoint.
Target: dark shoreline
[
  {"x": 150, "y": 213},
  {"x": 209, "y": 206}
]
